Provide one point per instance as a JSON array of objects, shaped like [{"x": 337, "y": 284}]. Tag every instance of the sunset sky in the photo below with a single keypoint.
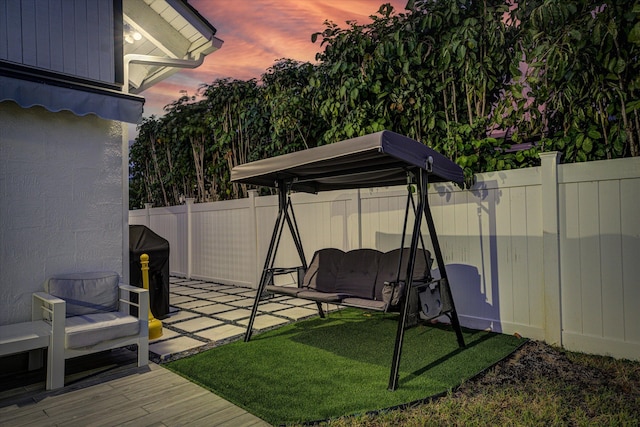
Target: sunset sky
[{"x": 256, "y": 33}]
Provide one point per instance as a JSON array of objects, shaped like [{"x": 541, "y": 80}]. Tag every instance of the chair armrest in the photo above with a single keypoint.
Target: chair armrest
[
  {"x": 52, "y": 310},
  {"x": 126, "y": 303},
  {"x": 130, "y": 288},
  {"x": 47, "y": 307}
]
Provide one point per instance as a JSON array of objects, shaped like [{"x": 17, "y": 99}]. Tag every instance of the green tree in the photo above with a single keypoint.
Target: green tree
[
  {"x": 238, "y": 127},
  {"x": 293, "y": 123},
  {"x": 186, "y": 121},
  {"x": 556, "y": 75},
  {"x": 582, "y": 77}
]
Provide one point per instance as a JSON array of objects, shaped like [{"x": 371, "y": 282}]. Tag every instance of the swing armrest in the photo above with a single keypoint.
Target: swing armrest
[
  {"x": 278, "y": 271},
  {"x": 425, "y": 282}
]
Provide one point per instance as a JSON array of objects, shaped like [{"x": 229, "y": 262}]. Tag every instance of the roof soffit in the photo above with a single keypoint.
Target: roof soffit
[
  {"x": 169, "y": 28},
  {"x": 155, "y": 29}
]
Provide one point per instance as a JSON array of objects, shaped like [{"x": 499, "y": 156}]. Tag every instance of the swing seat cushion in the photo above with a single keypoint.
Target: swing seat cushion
[{"x": 334, "y": 297}]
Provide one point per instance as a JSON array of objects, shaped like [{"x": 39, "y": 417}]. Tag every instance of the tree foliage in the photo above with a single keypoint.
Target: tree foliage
[{"x": 549, "y": 74}]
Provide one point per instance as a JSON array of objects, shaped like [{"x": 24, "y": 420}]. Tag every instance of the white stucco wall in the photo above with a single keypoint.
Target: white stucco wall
[{"x": 61, "y": 200}]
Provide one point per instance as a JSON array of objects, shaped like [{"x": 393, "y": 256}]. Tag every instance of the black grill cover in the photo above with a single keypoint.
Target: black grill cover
[{"x": 144, "y": 241}]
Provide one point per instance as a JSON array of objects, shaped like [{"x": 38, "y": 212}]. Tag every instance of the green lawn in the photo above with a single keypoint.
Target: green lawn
[{"x": 325, "y": 368}]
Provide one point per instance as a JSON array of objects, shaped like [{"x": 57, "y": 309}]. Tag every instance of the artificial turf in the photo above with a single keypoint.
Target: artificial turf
[{"x": 318, "y": 369}]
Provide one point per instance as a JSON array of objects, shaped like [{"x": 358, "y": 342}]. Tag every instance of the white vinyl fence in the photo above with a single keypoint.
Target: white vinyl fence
[{"x": 551, "y": 252}]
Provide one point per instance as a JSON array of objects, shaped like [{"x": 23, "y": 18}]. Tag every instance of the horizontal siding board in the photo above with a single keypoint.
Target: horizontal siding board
[
  {"x": 598, "y": 345},
  {"x": 501, "y": 179}
]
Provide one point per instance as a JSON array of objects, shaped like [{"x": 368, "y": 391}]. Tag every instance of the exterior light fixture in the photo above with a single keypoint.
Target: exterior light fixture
[{"x": 130, "y": 34}]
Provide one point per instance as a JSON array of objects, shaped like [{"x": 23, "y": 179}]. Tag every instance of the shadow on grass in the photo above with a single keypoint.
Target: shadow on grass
[
  {"x": 369, "y": 337},
  {"x": 469, "y": 344}
]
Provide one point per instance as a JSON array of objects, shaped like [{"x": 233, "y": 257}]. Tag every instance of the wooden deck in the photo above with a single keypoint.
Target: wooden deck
[{"x": 116, "y": 393}]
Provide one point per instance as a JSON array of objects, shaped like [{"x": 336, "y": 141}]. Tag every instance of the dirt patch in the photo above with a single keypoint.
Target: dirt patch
[
  {"x": 557, "y": 386},
  {"x": 535, "y": 360}
]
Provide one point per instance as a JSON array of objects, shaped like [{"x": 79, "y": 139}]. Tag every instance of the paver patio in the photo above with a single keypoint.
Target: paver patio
[{"x": 203, "y": 315}]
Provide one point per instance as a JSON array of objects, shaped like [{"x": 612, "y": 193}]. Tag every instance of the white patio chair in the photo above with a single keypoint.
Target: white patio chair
[{"x": 94, "y": 317}]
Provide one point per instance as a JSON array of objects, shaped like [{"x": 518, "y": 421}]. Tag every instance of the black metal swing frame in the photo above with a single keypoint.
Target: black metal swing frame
[{"x": 417, "y": 175}]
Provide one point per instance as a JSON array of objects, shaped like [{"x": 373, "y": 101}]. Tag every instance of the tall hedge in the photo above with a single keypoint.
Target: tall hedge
[{"x": 489, "y": 84}]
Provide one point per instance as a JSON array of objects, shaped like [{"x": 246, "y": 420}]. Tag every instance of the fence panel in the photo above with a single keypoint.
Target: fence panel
[
  {"x": 599, "y": 243},
  {"x": 174, "y": 220},
  {"x": 223, "y": 242},
  {"x": 491, "y": 239}
]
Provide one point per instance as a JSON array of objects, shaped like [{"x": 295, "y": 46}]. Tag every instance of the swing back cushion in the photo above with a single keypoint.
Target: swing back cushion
[
  {"x": 355, "y": 277},
  {"x": 357, "y": 274},
  {"x": 388, "y": 268},
  {"x": 323, "y": 270}
]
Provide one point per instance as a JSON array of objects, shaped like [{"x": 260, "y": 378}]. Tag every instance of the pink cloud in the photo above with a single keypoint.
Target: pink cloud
[{"x": 256, "y": 33}]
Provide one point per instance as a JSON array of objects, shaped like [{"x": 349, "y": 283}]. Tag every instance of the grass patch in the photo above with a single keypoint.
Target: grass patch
[{"x": 326, "y": 368}]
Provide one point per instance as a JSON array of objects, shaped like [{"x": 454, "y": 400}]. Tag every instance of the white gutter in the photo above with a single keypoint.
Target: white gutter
[{"x": 162, "y": 61}]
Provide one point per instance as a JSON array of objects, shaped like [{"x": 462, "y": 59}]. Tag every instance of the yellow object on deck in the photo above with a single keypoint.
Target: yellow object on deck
[{"x": 155, "y": 325}]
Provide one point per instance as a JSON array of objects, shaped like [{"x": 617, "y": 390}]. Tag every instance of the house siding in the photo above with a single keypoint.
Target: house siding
[{"x": 72, "y": 38}]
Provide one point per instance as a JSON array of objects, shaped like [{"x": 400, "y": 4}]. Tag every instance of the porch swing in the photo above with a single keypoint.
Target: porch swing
[{"x": 365, "y": 278}]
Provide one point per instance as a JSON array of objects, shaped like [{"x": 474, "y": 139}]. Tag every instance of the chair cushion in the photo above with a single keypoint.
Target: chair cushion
[
  {"x": 322, "y": 272},
  {"x": 357, "y": 274},
  {"x": 90, "y": 329},
  {"x": 85, "y": 293}
]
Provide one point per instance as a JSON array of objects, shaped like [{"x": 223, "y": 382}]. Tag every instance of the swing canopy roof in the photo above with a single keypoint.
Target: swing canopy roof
[{"x": 376, "y": 160}]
